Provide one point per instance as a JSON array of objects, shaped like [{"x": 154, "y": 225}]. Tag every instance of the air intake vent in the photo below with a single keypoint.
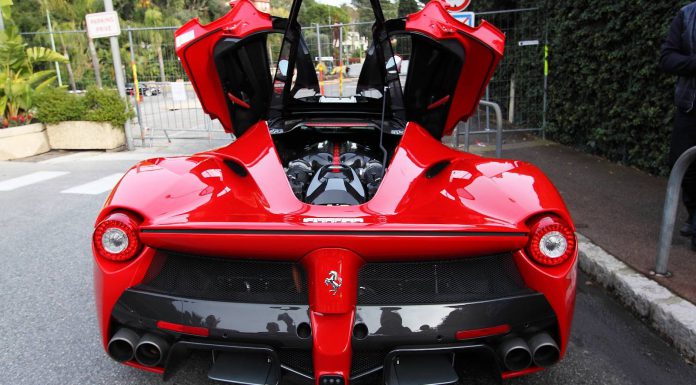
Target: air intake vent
[
  {"x": 227, "y": 280},
  {"x": 463, "y": 280}
]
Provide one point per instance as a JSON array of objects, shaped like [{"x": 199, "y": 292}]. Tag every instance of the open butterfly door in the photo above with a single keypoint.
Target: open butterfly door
[{"x": 449, "y": 67}]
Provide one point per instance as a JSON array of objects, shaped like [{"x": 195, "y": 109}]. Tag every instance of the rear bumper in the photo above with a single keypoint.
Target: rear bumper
[
  {"x": 474, "y": 304},
  {"x": 385, "y": 331}
]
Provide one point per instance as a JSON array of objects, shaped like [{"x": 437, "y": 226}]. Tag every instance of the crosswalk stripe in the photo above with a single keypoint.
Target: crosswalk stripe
[
  {"x": 70, "y": 157},
  {"x": 29, "y": 179},
  {"x": 96, "y": 187}
]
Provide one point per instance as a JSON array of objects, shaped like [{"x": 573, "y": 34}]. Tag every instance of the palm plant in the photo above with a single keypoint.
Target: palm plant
[{"x": 20, "y": 82}]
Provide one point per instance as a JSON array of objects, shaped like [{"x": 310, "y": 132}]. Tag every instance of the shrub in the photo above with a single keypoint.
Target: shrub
[
  {"x": 606, "y": 94},
  {"x": 104, "y": 105},
  {"x": 97, "y": 105},
  {"x": 58, "y": 105}
]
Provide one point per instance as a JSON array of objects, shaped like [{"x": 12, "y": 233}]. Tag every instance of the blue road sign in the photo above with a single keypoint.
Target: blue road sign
[{"x": 468, "y": 18}]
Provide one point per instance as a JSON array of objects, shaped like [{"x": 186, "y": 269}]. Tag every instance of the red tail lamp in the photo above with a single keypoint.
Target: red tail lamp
[
  {"x": 552, "y": 241},
  {"x": 116, "y": 237}
]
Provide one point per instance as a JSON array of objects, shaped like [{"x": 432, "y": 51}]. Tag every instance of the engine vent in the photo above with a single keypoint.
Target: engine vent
[
  {"x": 227, "y": 280},
  {"x": 366, "y": 361},
  {"x": 298, "y": 360},
  {"x": 464, "y": 280}
]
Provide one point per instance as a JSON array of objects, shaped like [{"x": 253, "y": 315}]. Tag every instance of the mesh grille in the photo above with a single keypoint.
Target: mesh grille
[
  {"x": 366, "y": 361},
  {"x": 227, "y": 280},
  {"x": 299, "y": 360},
  {"x": 466, "y": 280}
]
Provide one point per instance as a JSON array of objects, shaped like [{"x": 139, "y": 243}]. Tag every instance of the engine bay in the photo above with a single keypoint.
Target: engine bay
[{"x": 336, "y": 173}]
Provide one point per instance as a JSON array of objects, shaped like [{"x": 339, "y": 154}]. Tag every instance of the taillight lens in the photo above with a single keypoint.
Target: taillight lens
[
  {"x": 552, "y": 242},
  {"x": 116, "y": 237}
]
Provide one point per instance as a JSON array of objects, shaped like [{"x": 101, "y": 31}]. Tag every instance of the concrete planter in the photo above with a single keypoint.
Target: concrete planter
[
  {"x": 82, "y": 135},
  {"x": 23, "y": 141}
]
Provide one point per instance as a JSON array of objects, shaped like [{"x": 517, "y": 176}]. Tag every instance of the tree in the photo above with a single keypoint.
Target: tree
[
  {"x": 19, "y": 80},
  {"x": 407, "y": 7},
  {"x": 153, "y": 18},
  {"x": 366, "y": 14}
]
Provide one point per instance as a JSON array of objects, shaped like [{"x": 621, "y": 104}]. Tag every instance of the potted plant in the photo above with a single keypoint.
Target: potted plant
[
  {"x": 20, "y": 84},
  {"x": 94, "y": 121}
]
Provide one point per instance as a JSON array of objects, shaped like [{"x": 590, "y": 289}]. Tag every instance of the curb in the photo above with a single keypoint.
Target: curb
[{"x": 671, "y": 315}]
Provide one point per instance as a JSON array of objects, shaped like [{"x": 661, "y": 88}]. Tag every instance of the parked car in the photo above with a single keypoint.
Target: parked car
[
  {"x": 145, "y": 90},
  {"x": 337, "y": 240}
]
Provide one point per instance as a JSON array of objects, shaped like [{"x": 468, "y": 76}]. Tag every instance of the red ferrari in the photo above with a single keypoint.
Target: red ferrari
[{"x": 337, "y": 240}]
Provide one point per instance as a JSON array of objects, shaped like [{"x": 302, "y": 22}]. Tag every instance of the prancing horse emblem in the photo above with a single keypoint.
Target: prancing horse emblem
[{"x": 334, "y": 281}]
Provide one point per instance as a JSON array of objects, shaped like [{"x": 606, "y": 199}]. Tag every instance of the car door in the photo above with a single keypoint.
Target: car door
[
  {"x": 449, "y": 65},
  {"x": 230, "y": 63}
]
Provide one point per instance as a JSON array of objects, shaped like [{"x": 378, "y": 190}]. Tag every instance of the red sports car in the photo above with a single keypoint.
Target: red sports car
[{"x": 337, "y": 240}]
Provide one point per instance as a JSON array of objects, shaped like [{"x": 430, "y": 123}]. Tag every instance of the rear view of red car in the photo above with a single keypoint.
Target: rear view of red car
[{"x": 337, "y": 240}]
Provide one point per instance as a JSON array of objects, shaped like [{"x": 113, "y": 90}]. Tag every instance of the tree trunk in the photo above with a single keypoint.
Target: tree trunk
[
  {"x": 95, "y": 62},
  {"x": 68, "y": 65},
  {"x": 163, "y": 77},
  {"x": 71, "y": 75}
]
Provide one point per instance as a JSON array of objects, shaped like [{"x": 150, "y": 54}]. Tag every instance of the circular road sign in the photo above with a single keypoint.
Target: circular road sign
[{"x": 456, "y": 5}]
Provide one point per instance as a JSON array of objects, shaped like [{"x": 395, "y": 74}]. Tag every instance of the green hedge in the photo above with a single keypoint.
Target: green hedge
[
  {"x": 606, "y": 94},
  {"x": 97, "y": 105}
]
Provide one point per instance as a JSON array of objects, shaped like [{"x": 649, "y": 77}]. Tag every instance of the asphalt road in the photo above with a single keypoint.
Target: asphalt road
[{"x": 48, "y": 328}]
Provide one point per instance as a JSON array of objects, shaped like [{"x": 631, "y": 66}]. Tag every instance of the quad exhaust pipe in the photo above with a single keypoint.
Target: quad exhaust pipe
[
  {"x": 151, "y": 350},
  {"x": 518, "y": 354},
  {"x": 515, "y": 354},
  {"x": 121, "y": 347},
  {"x": 125, "y": 345},
  {"x": 544, "y": 350}
]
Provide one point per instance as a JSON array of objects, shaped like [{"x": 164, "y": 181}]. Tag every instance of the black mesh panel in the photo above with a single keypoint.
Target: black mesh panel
[
  {"x": 366, "y": 361},
  {"x": 464, "y": 280},
  {"x": 299, "y": 360},
  {"x": 227, "y": 280}
]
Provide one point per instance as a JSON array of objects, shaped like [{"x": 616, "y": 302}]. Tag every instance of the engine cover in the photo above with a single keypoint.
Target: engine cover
[
  {"x": 336, "y": 185},
  {"x": 335, "y": 174}
]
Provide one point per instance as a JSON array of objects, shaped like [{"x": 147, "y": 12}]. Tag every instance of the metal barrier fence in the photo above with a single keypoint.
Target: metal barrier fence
[
  {"x": 519, "y": 83},
  {"x": 169, "y": 109},
  {"x": 669, "y": 215}
]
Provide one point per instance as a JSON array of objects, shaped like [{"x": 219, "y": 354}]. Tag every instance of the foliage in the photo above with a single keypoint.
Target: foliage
[
  {"x": 97, "y": 105},
  {"x": 407, "y": 7},
  {"x": 607, "y": 95},
  {"x": 106, "y": 105},
  {"x": 20, "y": 81},
  {"x": 58, "y": 105}
]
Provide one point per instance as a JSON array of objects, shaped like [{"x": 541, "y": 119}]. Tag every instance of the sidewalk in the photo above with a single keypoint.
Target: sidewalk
[
  {"x": 618, "y": 212},
  {"x": 618, "y": 208}
]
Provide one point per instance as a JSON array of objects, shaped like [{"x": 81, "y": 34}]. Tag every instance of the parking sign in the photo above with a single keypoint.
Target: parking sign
[{"x": 468, "y": 18}]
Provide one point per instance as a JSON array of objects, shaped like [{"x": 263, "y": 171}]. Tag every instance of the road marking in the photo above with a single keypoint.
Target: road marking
[
  {"x": 70, "y": 157},
  {"x": 29, "y": 179},
  {"x": 96, "y": 187}
]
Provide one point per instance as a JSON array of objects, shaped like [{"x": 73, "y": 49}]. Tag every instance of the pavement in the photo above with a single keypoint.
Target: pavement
[
  {"x": 618, "y": 212},
  {"x": 48, "y": 327}
]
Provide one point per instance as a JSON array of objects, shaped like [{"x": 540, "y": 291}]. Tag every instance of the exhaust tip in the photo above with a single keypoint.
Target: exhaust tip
[
  {"x": 151, "y": 350},
  {"x": 515, "y": 354},
  {"x": 121, "y": 347},
  {"x": 545, "y": 351}
]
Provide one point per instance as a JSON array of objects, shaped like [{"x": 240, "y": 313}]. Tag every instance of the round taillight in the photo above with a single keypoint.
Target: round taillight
[
  {"x": 116, "y": 238},
  {"x": 552, "y": 242}
]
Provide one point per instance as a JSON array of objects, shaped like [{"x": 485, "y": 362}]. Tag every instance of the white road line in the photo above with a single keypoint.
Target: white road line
[
  {"x": 96, "y": 187},
  {"x": 70, "y": 157},
  {"x": 26, "y": 180}
]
